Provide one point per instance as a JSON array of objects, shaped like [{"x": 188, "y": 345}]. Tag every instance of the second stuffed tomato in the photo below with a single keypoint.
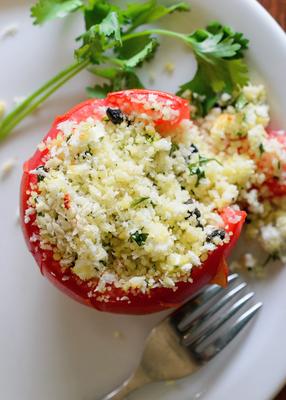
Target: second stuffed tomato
[{"x": 109, "y": 208}]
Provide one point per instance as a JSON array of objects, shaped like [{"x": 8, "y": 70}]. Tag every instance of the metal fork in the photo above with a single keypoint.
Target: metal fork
[{"x": 192, "y": 335}]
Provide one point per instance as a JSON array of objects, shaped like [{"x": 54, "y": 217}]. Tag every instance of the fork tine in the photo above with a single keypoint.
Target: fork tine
[
  {"x": 218, "y": 344},
  {"x": 179, "y": 316},
  {"x": 193, "y": 339},
  {"x": 189, "y": 322}
]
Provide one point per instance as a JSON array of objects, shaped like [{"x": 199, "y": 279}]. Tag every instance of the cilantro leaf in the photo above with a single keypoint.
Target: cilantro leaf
[
  {"x": 96, "y": 39},
  {"x": 95, "y": 12},
  {"x": 120, "y": 80},
  {"x": 144, "y": 55},
  {"x": 98, "y": 91},
  {"x": 150, "y": 11},
  {"x": 110, "y": 26},
  {"x": 122, "y": 76},
  {"x": 221, "y": 67},
  {"x": 131, "y": 47},
  {"x": 238, "y": 37},
  {"x": 46, "y": 10}
]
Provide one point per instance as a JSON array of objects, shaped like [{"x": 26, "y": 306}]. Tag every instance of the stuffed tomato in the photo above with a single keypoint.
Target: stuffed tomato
[{"x": 111, "y": 206}]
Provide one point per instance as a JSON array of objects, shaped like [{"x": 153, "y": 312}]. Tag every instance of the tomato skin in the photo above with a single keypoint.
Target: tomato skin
[
  {"x": 119, "y": 301},
  {"x": 276, "y": 188},
  {"x": 134, "y": 100}
]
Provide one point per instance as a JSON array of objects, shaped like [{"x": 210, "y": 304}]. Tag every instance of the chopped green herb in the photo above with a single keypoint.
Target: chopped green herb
[
  {"x": 149, "y": 138},
  {"x": 261, "y": 148},
  {"x": 199, "y": 172},
  {"x": 203, "y": 160},
  {"x": 241, "y": 102},
  {"x": 272, "y": 257},
  {"x": 139, "y": 237},
  {"x": 174, "y": 147},
  {"x": 135, "y": 203}
]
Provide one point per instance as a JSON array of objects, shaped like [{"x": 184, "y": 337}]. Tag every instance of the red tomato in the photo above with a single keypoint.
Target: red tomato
[
  {"x": 213, "y": 269},
  {"x": 275, "y": 187}
]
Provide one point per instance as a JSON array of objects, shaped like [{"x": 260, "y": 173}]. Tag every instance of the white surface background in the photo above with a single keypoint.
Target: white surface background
[{"x": 50, "y": 346}]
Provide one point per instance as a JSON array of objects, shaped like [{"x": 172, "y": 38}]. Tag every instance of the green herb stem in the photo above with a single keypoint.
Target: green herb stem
[
  {"x": 32, "y": 102},
  {"x": 161, "y": 32}
]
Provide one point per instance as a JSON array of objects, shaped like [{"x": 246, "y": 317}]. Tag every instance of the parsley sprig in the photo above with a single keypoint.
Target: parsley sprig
[{"x": 113, "y": 49}]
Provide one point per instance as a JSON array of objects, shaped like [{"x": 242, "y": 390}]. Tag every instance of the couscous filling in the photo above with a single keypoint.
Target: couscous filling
[{"x": 118, "y": 202}]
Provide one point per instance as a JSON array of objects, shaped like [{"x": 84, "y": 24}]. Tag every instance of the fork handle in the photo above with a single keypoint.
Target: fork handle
[{"x": 135, "y": 381}]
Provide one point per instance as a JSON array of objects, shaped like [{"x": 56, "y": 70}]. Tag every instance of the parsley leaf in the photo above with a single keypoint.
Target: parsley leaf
[{"x": 46, "y": 10}]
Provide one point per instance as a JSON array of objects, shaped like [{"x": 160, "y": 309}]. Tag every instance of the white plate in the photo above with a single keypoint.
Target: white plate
[{"x": 53, "y": 348}]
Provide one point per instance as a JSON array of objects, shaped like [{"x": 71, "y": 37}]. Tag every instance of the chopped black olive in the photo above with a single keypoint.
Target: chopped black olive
[
  {"x": 115, "y": 115},
  {"x": 217, "y": 232},
  {"x": 195, "y": 212},
  {"x": 194, "y": 148}
]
